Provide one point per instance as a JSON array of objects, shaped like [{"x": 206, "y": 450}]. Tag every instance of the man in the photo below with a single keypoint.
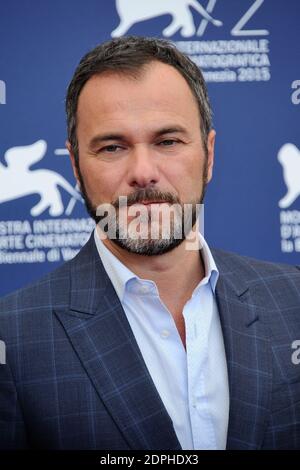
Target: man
[{"x": 147, "y": 342}]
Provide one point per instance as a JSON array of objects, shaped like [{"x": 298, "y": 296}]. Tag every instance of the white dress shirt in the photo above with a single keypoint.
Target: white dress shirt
[{"x": 192, "y": 382}]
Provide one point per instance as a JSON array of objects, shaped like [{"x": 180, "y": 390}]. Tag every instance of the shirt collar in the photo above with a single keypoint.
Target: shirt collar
[
  {"x": 211, "y": 270},
  {"x": 120, "y": 275}
]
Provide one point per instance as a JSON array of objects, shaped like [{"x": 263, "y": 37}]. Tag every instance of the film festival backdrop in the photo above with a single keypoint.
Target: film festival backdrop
[{"x": 249, "y": 51}]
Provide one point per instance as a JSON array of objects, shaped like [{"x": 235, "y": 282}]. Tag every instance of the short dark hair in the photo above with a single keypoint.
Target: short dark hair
[{"x": 129, "y": 55}]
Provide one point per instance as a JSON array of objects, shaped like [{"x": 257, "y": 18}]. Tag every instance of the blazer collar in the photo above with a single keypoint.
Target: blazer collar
[{"x": 101, "y": 336}]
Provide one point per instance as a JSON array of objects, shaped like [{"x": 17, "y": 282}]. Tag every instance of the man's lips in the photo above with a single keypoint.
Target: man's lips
[{"x": 146, "y": 203}]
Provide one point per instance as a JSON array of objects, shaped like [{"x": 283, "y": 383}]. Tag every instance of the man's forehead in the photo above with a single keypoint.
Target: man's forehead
[
  {"x": 114, "y": 104},
  {"x": 110, "y": 102}
]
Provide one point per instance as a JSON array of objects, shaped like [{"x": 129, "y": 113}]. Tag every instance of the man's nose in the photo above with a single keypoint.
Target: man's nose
[{"x": 142, "y": 167}]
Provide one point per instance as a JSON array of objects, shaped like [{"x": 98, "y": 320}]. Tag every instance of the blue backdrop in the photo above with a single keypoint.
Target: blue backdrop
[{"x": 249, "y": 51}]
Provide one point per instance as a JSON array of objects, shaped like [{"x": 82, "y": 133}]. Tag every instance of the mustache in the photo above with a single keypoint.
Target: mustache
[{"x": 147, "y": 195}]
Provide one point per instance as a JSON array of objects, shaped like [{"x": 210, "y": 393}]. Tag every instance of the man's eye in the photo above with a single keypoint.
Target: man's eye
[
  {"x": 110, "y": 148},
  {"x": 168, "y": 142}
]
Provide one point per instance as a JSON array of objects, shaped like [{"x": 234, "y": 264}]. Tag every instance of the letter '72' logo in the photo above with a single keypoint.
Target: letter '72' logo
[{"x": 237, "y": 29}]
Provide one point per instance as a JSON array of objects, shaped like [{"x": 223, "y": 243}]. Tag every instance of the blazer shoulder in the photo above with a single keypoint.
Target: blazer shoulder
[
  {"x": 49, "y": 289},
  {"x": 253, "y": 270}
]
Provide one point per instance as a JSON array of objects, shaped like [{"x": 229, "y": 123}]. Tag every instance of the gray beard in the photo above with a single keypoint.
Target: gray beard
[
  {"x": 156, "y": 246},
  {"x": 147, "y": 247}
]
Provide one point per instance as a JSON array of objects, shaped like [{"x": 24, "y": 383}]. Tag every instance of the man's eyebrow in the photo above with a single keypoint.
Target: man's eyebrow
[
  {"x": 170, "y": 130},
  {"x": 98, "y": 139}
]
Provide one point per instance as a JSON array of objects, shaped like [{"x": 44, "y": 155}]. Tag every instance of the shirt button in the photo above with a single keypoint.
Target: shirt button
[
  {"x": 194, "y": 403},
  {"x": 165, "y": 334},
  {"x": 143, "y": 290}
]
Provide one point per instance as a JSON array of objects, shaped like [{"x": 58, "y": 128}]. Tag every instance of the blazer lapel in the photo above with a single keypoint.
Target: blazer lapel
[
  {"x": 101, "y": 335},
  {"x": 248, "y": 356}
]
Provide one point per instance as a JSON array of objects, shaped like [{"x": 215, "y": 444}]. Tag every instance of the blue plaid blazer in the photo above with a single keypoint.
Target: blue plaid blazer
[{"x": 75, "y": 378}]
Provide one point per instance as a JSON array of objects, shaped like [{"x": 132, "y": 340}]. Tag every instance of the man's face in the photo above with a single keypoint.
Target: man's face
[{"x": 140, "y": 138}]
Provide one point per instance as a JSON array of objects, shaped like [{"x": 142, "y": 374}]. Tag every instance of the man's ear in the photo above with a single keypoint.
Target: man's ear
[
  {"x": 210, "y": 153},
  {"x": 73, "y": 162}
]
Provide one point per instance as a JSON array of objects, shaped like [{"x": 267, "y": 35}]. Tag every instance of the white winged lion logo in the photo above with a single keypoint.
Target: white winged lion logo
[
  {"x": 17, "y": 180},
  {"x": 289, "y": 157},
  {"x": 134, "y": 11}
]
